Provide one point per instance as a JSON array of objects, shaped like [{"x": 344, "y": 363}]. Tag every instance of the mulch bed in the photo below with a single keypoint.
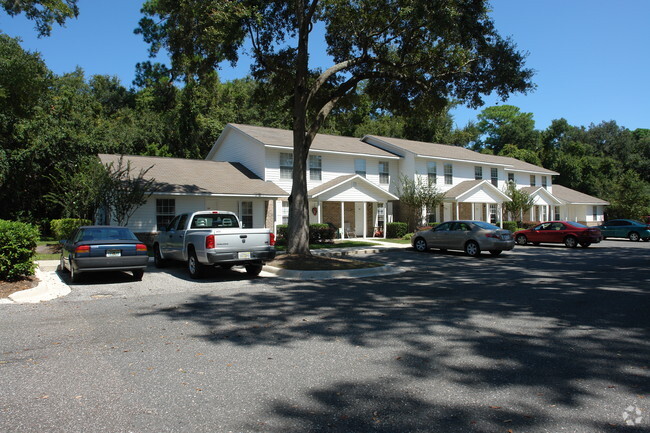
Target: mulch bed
[{"x": 9, "y": 287}]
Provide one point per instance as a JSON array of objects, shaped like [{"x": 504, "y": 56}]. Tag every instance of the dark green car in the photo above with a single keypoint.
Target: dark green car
[{"x": 633, "y": 230}]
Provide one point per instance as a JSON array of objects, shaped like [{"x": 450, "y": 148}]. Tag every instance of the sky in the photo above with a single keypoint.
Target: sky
[{"x": 591, "y": 57}]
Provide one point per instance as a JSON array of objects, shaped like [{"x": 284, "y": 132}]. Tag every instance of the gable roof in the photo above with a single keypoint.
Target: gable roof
[
  {"x": 177, "y": 176},
  {"x": 341, "y": 180},
  {"x": 454, "y": 153},
  {"x": 283, "y": 138},
  {"x": 468, "y": 186},
  {"x": 576, "y": 197}
]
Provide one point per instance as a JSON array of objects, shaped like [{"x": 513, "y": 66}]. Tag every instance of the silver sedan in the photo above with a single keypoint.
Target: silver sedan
[{"x": 469, "y": 236}]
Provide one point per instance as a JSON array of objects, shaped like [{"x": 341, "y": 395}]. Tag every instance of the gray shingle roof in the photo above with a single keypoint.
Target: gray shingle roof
[
  {"x": 199, "y": 177},
  {"x": 322, "y": 142},
  {"x": 445, "y": 151},
  {"x": 576, "y": 197}
]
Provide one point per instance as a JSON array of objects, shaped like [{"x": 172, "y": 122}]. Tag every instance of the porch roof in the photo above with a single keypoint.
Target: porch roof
[
  {"x": 469, "y": 186},
  {"x": 348, "y": 179},
  {"x": 534, "y": 191},
  {"x": 177, "y": 176}
]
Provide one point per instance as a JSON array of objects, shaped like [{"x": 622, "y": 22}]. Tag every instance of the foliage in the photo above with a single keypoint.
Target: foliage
[
  {"x": 409, "y": 56},
  {"x": 416, "y": 196},
  {"x": 520, "y": 201},
  {"x": 501, "y": 125},
  {"x": 125, "y": 193},
  {"x": 43, "y": 12},
  {"x": 318, "y": 233},
  {"x": 629, "y": 197},
  {"x": 62, "y": 228},
  {"x": 17, "y": 249},
  {"x": 396, "y": 230},
  {"x": 513, "y": 226}
]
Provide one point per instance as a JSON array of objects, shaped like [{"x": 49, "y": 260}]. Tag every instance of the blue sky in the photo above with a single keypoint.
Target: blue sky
[{"x": 591, "y": 57}]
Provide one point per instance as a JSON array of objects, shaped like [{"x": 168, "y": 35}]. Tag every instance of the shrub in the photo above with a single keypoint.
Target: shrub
[
  {"x": 318, "y": 233},
  {"x": 17, "y": 249},
  {"x": 510, "y": 225},
  {"x": 396, "y": 230},
  {"x": 63, "y": 228}
]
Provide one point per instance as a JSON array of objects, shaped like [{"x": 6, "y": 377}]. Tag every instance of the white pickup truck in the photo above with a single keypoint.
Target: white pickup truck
[{"x": 210, "y": 238}]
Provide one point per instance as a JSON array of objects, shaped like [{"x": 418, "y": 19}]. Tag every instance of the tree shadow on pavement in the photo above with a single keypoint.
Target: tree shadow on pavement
[{"x": 566, "y": 329}]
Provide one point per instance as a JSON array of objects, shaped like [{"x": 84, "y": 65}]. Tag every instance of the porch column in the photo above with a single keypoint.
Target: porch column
[
  {"x": 500, "y": 214},
  {"x": 365, "y": 220},
  {"x": 473, "y": 211},
  {"x": 320, "y": 212},
  {"x": 385, "y": 218},
  {"x": 457, "y": 211},
  {"x": 342, "y": 220}
]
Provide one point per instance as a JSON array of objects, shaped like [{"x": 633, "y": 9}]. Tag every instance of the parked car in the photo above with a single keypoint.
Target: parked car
[
  {"x": 622, "y": 228},
  {"x": 103, "y": 248},
  {"x": 213, "y": 238},
  {"x": 469, "y": 236},
  {"x": 567, "y": 232}
]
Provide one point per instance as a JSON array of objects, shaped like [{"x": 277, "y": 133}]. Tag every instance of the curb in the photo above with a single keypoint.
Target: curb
[
  {"x": 50, "y": 287},
  {"x": 334, "y": 275}
]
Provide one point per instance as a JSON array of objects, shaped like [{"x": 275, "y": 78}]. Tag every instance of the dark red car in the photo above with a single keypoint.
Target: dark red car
[{"x": 561, "y": 232}]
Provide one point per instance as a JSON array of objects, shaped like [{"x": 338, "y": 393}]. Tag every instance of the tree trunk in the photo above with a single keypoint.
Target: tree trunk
[{"x": 298, "y": 231}]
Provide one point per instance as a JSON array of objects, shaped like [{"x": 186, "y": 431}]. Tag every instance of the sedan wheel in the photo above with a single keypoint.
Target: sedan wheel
[
  {"x": 570, "y": 242},
  {"x": 634, "y": 237},
  {"x": 472, "y": 249},
  {"x": 420, "y": 245},
  {"x": 74, "y": 275},
  {"x": 521, "y": 240}
]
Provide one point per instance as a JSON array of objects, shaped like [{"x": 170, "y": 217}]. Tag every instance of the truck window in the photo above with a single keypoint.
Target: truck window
[
  {"x": 182, "y": 222},
  {"x": 213, "y": 221}
]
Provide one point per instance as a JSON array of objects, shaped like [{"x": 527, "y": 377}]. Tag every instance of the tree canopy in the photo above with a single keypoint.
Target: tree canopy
[
  {"x": 43, "y": 12},
  {"x": 408, "y": 53}
]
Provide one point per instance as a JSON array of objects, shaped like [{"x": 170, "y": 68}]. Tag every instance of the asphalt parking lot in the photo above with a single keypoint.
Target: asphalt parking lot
[{"x": 540, "y": 339}]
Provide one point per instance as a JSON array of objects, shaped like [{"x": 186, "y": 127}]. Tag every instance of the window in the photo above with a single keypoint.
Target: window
[
  {"x": 532, "y": 180},
  {"x": 449, "y": 174},
  {"x": 246, "y": 216},
  {"x": 285, "y": 212},
  {"x": 494, "y": 175},
  {"x": 478, "y": 173},
  {"x": 545, "y": 182},
  {"x": 594, "y": 213},
  {"x": 557, "y": 213},
  {"x": 165, "y": 211},
  {"x": 493, "y": 213},
  {"x": 315, "y": 167},
  {"x": 384, "y": 177},
  {"x": 432, "y": 172},
  {"x": 286, "y": 165},
  {"x": 360, "y": 167},
  {"x": 511, "y": 177}
]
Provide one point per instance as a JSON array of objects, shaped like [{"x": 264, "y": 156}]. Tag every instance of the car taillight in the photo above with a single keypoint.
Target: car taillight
[
  {"x": 82, "y": 249},
  {"x": 271, "y": 239},
  {"x": 141, "y": 248},
  {"x": 492, "y": 235},
  {"x": 210, "y": 242}
]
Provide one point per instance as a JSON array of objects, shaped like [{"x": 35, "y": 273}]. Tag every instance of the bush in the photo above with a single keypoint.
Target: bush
[
  {"x": 396, "y": 230},
  {"x": 17, "y": 249},
  {"x": 510, "y": 225},
  {"x": 318, "y": 233},
  {"x": 63, "y": 228}
]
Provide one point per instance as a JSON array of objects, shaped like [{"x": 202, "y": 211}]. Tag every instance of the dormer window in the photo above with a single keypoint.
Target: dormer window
[{"x": 286, "y": 166}]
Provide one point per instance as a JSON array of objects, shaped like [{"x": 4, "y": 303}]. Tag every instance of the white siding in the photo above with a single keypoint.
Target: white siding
[{"x": 237, "y": 147}]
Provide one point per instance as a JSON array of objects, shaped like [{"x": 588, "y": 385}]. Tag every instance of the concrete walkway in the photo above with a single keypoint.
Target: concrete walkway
[{"x": 51, "y": 286}]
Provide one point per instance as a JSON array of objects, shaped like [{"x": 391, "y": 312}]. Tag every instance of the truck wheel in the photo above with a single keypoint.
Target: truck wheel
[
  {"x": 194, "y": 266},
  {"x": 158, "y": 261},
  {"x": 253, "y": 270}
]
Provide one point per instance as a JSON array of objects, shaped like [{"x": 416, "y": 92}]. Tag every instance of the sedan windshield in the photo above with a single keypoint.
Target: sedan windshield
[{"x": 107, "y": 233}]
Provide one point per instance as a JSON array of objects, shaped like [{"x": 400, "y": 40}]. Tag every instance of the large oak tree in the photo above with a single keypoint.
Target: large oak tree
[{"x": 411, "y": 54}]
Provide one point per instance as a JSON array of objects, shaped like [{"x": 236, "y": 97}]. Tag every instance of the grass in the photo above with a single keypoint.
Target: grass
[{"x": 47, "y": 250}]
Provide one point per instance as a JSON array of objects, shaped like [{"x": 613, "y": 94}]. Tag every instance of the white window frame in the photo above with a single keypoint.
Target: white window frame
[
  {"x": 532, "y": 180},
  {"x": 432, "y": 172},
  {"x": 246, "y": 213},
  {"x": 360, "y": 167},
  {"x": 384, "y": 172},
  {"x": 478, "y": 172},
  {"x": 449, "y": 174},
  {"x": 286, "y": 165},
  {"x": 494, "y": 176},
  {"x": 315, "y": 167},
  {"x": 165, "y": 211}
]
